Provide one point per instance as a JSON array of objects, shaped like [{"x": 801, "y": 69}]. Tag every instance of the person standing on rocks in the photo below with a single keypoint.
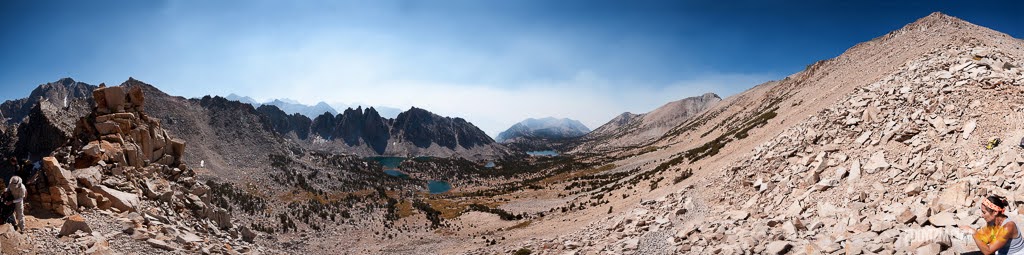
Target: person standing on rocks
[
  {"x": 1009, "y": 241},
  {"x": 17, "y": 190}
]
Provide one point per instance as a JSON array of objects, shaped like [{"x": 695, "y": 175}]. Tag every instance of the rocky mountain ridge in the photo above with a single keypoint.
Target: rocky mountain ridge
[{"x": 629, "y": 130}]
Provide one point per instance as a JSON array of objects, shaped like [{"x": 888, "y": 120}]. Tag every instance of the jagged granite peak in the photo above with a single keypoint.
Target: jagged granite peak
[
  {"x": 286, "y": 124},
  {"x": 421, "y": 129},
  {"x": 376, "y": 132},
  {"x": 60, "y": 93},
  {"x": 424, "y": 128},
  {"x": 323, "y": 126},
  {"x": 545, "y": 128}
]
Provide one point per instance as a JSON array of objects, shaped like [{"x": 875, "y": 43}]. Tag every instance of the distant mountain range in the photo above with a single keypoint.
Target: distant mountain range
[
  {"x": 628, "y": 129},
  {"x": 544, "y": 128},
  {"x": 229, "y": 134},
  {"x": 290, "y": 106}
]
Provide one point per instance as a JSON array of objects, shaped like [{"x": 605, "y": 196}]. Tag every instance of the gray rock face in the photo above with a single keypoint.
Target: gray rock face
[
  {"x": 46, "y": 128},
  {"x": 47, "y": 117},
  {"x": 286, "y": 124},
  {"x": 358, "y": 127},
  {"x": 59, "y": 93},
  {"x": 545, "y": 128},
  {"x": 423, "y": 128}
]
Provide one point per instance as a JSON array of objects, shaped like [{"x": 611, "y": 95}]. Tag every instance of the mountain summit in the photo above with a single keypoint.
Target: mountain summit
[{"x": 544, "y": 128}]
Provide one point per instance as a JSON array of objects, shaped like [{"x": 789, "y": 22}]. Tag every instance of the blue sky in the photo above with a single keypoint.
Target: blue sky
[{"x": 493, "y": 63}]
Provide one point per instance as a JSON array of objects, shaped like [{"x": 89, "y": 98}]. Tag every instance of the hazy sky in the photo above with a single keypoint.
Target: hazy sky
[{"x": 493, "y": 63}]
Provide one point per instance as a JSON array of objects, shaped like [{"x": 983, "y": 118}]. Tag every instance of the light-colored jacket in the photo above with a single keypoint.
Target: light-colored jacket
[{"x": 17, "y": 189}]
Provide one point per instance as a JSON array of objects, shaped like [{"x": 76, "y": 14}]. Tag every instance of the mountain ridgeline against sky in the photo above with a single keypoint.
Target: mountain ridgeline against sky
[
  {"x": 630, "y": 130},
  {"x": 288, "y": 106},
  {"x": 208, "y": 121},
  {"x": 58, "y": 93},
  {"x": 307, "y": 110},
  {"x": 544, "y": 128},
  {"x": 312, "y": 111},
  {"x": 365, "y": 132}
]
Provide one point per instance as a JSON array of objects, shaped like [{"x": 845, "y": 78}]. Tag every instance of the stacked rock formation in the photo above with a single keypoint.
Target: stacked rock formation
[
  {"x": 127, "y": 164},
  {"x": 118, "y": 139},
  {"x": 120, "y": 132}
]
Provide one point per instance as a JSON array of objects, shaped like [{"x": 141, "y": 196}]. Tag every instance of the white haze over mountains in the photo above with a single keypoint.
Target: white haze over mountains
[
  {"x": 587, "y": 97},
  {"x": 291, "y": 106}
]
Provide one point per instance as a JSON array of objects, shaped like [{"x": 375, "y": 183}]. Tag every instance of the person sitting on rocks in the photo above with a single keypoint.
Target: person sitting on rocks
[
  {"x": 17, "y": 190},
  {"x": 1010, "y": 242}
]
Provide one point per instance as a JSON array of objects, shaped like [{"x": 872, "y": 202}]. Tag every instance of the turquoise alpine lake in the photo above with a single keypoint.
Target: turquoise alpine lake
[
  {"x": 438, "y": 187},
  {"x": 549, "y": 153},
  {"x": 388, "y": 162}
]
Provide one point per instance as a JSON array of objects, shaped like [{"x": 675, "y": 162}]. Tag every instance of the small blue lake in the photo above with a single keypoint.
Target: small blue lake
[
  {"x": 438, "y": 187},
  {"x": 548, "y": 153},
  {"x": 388, "y": 162},
  {"x": 489, "y": 164}
]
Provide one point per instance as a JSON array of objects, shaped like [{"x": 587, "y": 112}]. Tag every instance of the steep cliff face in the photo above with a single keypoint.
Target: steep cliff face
[
  {"x": 46, "y": 128},
  {"x": 286, "y": 124}
]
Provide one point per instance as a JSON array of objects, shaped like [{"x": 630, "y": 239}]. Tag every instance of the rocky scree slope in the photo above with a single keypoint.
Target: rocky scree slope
[{"x": 880, "y": 150}]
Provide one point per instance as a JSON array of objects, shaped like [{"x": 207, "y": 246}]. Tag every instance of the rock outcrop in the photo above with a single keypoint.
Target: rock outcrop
[
  {"x": 46, "y": 128},
  {"x": 120, "y": 132},
  {"x": 122, "y": 161}
]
